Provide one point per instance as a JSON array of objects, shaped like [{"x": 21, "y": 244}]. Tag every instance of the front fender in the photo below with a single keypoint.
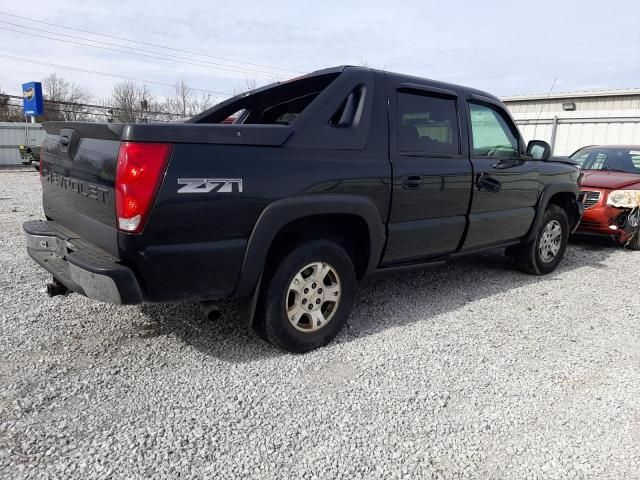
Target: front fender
[{"x": 546, "y": 195}]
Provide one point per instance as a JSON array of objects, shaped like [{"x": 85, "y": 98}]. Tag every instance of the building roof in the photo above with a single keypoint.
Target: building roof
[{"x": 623, "y": 92}]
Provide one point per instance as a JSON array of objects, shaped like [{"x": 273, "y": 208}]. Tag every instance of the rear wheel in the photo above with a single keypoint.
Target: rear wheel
[
  {"x": 309, "y": 296},
  {"x": 543, "y": 254}
]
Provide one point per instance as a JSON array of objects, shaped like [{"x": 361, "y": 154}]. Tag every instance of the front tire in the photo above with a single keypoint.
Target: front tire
[
  {"x": 544, "y": 253},
  {"x": 309, "y": 296}
]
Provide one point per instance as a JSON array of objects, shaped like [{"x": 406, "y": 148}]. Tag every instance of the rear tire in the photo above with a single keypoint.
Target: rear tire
[
  {"x": 308, "y": 296},
  {"x": 543, "y": 254}
]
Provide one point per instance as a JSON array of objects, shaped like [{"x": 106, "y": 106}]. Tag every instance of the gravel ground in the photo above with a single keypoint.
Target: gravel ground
[{"x": 471, "y": 370}]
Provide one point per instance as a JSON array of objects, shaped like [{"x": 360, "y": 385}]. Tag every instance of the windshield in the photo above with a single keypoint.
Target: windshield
[{"x": 625, "y": 160}]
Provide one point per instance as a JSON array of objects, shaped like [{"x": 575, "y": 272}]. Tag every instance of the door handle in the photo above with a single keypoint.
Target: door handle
[
  {"x": 412, "y": 182},
  {"x": 490, "y": 184}
]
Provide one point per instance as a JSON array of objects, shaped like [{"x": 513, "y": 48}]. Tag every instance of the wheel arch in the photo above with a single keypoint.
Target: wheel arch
[
  {"x": 565, "y": 195},
  {"x": 281, "y": 214}
]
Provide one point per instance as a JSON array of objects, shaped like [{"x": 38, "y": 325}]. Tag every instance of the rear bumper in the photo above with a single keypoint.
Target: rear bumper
[{"x": 79, "y": 265}]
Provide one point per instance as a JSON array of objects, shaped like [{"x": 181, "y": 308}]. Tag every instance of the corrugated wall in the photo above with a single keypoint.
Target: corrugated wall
[
  {"x": 572, "y": 136},
  {"x": 611, "y": 120},
  {"x": 14, "y": 134}
]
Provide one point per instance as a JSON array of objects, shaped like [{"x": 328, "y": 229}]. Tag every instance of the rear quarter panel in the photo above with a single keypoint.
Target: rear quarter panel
[{"x": 194, "y": 243}]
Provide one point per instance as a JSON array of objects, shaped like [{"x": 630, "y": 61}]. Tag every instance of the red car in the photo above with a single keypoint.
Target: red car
[{"x": 610, "y": 192}]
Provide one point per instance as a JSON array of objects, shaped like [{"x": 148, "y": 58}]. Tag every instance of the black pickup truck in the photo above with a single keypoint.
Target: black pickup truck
[{"x": 285, "y": 196}]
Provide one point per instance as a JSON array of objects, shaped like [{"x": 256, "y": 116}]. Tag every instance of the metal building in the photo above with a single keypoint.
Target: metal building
[
  {"x": 12, "y": 135},
  {"x": 572, "y": 120}
]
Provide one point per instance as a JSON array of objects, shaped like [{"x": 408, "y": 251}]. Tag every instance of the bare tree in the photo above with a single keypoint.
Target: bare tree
[
  {"x": 55, "y": 88},
  {"x": 180, "y": 100},
  {"x": 183, "y": 101},
  {"x": 132, "y": 103},
  {"x": 8, "y": 112},
  {"x": 249, "y": 84},
  {"x": 64, "y": 100},
  {"x": 78, "y": 96},
  {"x": 203, "y": 101}
]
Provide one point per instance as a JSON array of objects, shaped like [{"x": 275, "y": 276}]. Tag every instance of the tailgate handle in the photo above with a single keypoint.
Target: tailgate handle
[{"x": 69, "y": 139}]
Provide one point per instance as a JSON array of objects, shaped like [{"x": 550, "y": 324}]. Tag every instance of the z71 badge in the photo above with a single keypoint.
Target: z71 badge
[{"x": 206, "y": 185}]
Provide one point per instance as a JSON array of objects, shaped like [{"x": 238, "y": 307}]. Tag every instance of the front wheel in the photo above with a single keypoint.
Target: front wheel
[
  {"x": 309, "y": 296},
  {"x": 543, "y": 254}
]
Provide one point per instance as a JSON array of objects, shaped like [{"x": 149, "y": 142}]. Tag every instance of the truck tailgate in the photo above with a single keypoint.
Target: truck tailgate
[{"x": 78, "y": 168}]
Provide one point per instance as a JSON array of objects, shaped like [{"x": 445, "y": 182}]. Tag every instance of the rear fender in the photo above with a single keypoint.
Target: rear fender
[{"x": 282, "y": 212}]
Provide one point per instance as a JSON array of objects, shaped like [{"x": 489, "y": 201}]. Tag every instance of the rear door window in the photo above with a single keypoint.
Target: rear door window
[{"x": 427, "y": 125}]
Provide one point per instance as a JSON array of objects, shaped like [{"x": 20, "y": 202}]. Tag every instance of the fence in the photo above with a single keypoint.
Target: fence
[{"x": 13, "y": 135}]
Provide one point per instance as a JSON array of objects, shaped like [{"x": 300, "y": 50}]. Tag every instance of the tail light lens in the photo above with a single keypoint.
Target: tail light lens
[{"x": 138, "y": 177}]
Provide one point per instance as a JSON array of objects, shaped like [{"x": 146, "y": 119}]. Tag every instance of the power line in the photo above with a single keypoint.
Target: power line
[
  {"x": 55, "y": 103},
  {"x": 197, "y": 64},
  {"x": 60, "y": 102},
  {"x": 113, "y": 113},
  {"x": 135, "y": 50},
  {"x": 105, "y": 74},
  {"x": 151, "y": 44}
]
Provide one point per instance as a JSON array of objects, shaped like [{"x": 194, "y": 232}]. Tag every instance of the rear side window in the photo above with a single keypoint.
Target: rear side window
[
  {"x": 286, "y": 112},
  {"x": 279, "y": 104},
  {"x": 492, "y": 136},
  {"x": 427, "y": 125}
]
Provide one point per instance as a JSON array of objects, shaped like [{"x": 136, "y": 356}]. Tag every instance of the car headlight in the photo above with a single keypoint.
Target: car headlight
[{"x": 624, "y": 198}]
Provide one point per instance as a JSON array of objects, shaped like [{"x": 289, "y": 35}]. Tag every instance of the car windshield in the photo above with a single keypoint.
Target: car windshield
[{"x": 625, "y": 160}]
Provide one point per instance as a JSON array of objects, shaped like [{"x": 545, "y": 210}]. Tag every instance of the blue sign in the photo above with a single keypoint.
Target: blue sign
[{"x": 32, "y": 99}]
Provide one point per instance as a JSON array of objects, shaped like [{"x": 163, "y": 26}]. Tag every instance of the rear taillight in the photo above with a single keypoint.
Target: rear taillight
[{"x": 138, "y": 177}]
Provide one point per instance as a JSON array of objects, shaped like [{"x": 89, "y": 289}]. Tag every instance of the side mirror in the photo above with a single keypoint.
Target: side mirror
[{"x": 538, "y": 150}]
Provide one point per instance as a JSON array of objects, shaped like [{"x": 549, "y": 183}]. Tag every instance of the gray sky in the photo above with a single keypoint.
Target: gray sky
[{"x": 504, "y": 47}]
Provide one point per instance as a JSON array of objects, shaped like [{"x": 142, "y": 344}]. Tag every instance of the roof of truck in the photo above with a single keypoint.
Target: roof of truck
[
  {"x": 401, "y": 78},
  {"x": 407, "y": 78}
]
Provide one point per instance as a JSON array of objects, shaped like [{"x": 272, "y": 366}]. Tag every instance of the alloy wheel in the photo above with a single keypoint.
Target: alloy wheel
[
  {"x": 550, "y": 241},
  {"x": 313, "y": 297}
]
